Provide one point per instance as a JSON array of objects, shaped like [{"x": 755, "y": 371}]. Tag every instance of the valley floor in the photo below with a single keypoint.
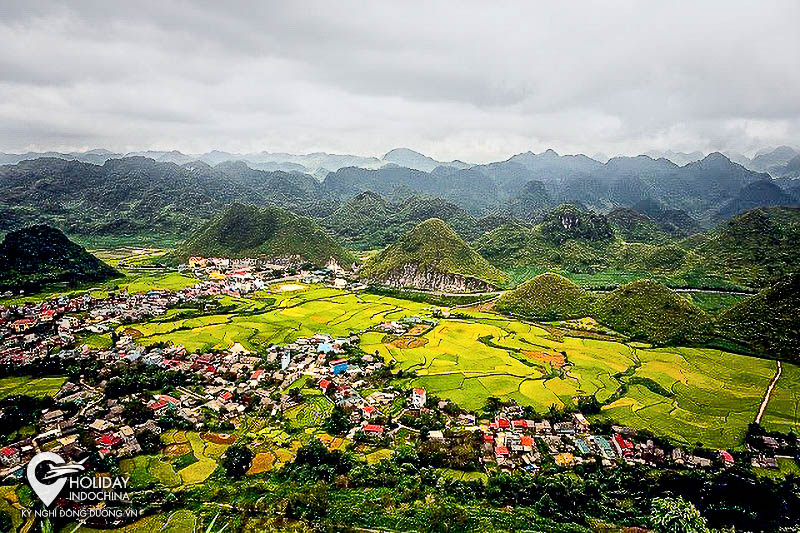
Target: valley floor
[{"x": 688, "y": 394}]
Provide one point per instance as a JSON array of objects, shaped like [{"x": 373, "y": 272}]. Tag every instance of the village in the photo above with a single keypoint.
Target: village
[{"x": 110, "y": 417}]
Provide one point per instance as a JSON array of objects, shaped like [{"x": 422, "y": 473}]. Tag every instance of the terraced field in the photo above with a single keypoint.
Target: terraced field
[
  {"x": 783, "y": 410},
  {"x": 689, "y": 394}
]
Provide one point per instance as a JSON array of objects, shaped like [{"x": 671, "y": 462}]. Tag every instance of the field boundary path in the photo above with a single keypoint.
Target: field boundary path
[{"x": 768, "y": 394}]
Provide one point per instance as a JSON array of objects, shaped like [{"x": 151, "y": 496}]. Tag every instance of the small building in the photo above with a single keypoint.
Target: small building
[
  {"x": 373, "y": 429},
  {"x": 9, "y": 456},
  {"x": 418, "y": 398},
  {"x": 339, "y": 366}
]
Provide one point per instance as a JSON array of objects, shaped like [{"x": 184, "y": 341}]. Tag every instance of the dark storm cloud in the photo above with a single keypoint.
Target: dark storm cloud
[{"x": 474, "y": 80}]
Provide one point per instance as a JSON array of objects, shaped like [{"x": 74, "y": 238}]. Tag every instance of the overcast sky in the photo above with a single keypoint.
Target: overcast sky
[{"x": 474, "y": 81}]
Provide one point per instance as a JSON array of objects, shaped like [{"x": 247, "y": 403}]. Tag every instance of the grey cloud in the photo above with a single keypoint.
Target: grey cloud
[{"x": 467, "y": 80}]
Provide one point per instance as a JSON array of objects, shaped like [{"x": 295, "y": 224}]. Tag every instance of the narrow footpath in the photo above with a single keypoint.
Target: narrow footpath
[{"x": 768, "y": 394}]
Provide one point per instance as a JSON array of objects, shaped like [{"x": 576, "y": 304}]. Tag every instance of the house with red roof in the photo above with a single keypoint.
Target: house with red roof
[
  {"x": 170, "y": 400},
  {"x": 108, "y": 440},
  {"x": 23, "y": 324},
  {"x": 623, "y": 446},
  {"x": 157, "y": 405},
  {"x": 418, "y": 398},
  {"x": 369, "y": 411},
  {"x": 503, "y": 423},
  {"x": 324, "y": 384},
  {"x": 501, "y": 450},
  {"x": 226, "y": 396},
  {"x": 726, "y": 458},
  {"x": 373, "y": 429},
  {"x": 9, "y": 455}
]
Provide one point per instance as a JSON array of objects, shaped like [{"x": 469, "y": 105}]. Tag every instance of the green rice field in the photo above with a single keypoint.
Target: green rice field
[{"x": 34, "y": 387}]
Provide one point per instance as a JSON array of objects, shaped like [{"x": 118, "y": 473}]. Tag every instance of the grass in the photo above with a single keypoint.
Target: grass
[
  {"x": 786, "y": 466},
  {"x": 783, "y": 410},
  {"x": 34, "y": 387},
  {"x": 96, "y": 341},
  {"x": 133, "y": 281},
  {"x": 146, "y": 470},
  {"x": 206, "y": 454},
  {"x": 715, "y": 302}
]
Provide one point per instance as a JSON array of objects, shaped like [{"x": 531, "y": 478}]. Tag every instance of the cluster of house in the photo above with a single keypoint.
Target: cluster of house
[
  {"x": 512, "y": 442},
  {"x": 412, "y": 325},
  {"x": 247, "y": 275},
  {"x": 81, "y": 411}
]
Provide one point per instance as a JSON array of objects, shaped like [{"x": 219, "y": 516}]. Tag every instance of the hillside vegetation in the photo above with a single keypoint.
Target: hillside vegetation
[
  {"x": 753, "y": 248},
  {"x": 432, "y": 256},
  {"x": 270, "y": 232},
  {"x": 368, "y": 221},
  {"x": 39, "y": 255},
  {"x": 648, "y": 311},
  {"x": 768, "y": 322},
  {"x": 548, "y": 297},
  {"x": 644, "y": 310}
]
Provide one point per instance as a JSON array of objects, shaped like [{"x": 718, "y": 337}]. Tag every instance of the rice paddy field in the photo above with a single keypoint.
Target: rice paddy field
[
  {"x": 294, "y": 313},
  {"x": 688, "y": 394},
  {"x": 33, "y": 387}
]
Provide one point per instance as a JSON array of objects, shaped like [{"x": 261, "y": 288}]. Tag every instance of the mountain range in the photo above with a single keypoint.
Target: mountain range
[{"x": 138, "y": 196}]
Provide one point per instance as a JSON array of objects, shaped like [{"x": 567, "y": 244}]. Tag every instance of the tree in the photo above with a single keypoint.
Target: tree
[
  {"x": 676, "y": 515},
  {"x": 337, "y": 423},
  {"x": 236, "y": 460}
]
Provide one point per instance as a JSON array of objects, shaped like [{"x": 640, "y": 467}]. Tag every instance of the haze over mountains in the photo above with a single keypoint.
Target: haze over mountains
[{"x": 772, "y": 160}]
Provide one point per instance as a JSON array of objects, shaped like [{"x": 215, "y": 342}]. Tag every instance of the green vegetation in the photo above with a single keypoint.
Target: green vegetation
[
  {"x": 633, "y": 226},
  {"x": 648, "y": 311},
  {"x": 32, "y": 387},
  {"x": 548, "y": 297},
  {"x": 432, "y": 249},
  {"x": 313, "y": 412},
  {"x": 754, "y": 248},
  {"x": 687, "y": 394},
  {"x": 644, "y": 310},
  {"x": 367, "y": 221},
  {"x": 293, "y": 314},
  {"x": 41, "y": 255},
  {"x": 715, "y": 302},
  {"x": 768, "y": 322},
  {"x": 567, "y": 222},
  {"x": 426, "y": 297},
  {"x": 249, "y": 231}
]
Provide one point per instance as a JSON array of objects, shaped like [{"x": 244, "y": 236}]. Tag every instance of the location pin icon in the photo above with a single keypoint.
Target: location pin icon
[{"x": 47, "y": 492}]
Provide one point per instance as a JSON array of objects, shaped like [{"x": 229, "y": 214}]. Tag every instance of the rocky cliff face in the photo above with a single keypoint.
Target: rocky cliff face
[{"x": 411, "y": 276}]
